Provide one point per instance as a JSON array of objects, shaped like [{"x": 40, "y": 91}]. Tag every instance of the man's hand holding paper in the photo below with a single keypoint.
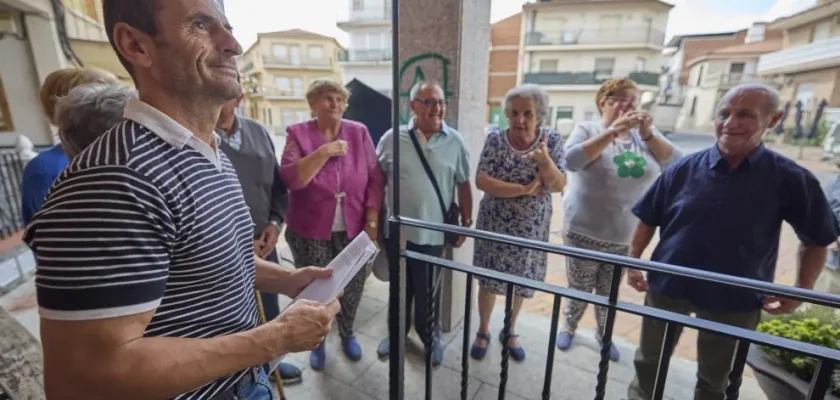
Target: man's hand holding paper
[{"x": 304, "y": 324}]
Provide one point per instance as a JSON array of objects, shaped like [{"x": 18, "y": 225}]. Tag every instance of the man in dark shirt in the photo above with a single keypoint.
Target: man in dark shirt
[
  {"x": 721, "y": 210},
  {"x": 249, "y": 147}
]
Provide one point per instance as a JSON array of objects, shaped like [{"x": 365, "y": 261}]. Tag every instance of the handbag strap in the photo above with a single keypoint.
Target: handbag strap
[{"x": 428, "y": 171}]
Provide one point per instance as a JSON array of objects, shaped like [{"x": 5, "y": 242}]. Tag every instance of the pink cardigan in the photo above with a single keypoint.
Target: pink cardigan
[{"x": 312, "y": 207}]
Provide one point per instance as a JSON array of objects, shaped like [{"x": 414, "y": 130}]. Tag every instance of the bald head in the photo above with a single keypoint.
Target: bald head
[
  {"x": 743, "y": 115},
  {"x": 771, "y": 101}
]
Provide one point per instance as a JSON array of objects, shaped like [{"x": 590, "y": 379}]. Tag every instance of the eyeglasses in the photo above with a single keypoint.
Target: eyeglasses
[{"x": 431, "y": 102}]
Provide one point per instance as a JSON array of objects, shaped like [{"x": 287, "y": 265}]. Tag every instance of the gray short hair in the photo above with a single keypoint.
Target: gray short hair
[
  {"x": 88, "y": 111},
  {"x": 529, "y": 91},
  {"x": 419, "y": 86},
  {"x": 774, "y": 101}
]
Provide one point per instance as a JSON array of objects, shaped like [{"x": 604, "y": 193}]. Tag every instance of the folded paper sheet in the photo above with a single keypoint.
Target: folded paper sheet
[{"x": 348, "y": 263}]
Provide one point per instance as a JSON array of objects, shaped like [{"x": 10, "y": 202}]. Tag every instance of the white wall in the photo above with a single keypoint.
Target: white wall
[
  {"x": 375, "y": 76},
  {"x": 21, "y": 85},
  {"x": 370, "y": 38}
]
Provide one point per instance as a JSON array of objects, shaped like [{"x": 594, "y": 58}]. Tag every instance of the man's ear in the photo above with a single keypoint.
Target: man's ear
[
  {"x": 135, "y": 46},
  {"x": 774, "y": 120}
]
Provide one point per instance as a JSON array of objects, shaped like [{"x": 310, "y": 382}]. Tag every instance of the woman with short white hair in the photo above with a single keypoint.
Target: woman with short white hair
[
  {"x": 88, "y": 111},
  {"x": 518, "y": 170}
]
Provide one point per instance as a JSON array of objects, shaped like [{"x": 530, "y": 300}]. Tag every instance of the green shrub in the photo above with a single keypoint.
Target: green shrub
[{"x": 814, "y": 325}]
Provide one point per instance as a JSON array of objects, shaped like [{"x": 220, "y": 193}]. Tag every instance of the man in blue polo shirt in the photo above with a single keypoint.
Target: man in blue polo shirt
[{"x": 721, "y": 210}]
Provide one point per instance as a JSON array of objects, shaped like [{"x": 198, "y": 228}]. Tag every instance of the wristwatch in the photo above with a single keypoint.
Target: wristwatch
[
  {"x": 371, "y": 224},
  {"x": 275, "y": 223}
]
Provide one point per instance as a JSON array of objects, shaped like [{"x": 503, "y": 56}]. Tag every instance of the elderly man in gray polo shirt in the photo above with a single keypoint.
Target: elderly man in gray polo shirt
[
  {"x": 249, "y": 148},
  {"x": 448, "y": 158}
]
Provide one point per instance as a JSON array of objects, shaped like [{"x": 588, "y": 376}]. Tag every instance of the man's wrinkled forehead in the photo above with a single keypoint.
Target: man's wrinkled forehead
[
  {"x": 194, "y": 9},
  {"x": 748, "y": 98}
]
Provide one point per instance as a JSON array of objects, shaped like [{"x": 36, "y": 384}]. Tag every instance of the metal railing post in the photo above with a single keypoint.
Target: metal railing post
[{"x": 396, "y": 298}]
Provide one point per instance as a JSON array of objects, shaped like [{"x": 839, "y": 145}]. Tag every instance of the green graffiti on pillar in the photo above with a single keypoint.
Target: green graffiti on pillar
[{"x": 416, "y": 67}]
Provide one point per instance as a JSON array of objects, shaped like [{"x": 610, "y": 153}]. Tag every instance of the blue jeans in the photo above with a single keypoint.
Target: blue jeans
[{"x": 256, "y": 388}]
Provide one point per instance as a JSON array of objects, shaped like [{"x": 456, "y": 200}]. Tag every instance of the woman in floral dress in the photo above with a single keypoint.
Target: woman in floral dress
[
  {"x": 611, "y": 161},
  {"x": 519, "y": 169}
]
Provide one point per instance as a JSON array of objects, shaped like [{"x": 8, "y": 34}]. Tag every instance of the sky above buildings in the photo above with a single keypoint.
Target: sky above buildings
[{"x": 249, "y": 17}]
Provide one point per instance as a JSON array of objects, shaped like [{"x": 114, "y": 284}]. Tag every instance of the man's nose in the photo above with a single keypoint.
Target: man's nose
[{"x": 228, "y": 44}]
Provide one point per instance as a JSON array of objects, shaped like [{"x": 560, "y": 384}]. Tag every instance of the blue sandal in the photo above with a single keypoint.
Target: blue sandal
[
  {"x": 477, "y": 352},
  {"x": 517, "y": 353}
]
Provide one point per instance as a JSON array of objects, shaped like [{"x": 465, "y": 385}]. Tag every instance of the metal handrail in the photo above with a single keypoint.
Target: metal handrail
[
  {"x": 811, "y": 296},
  {"x": 637, "y": 309}
]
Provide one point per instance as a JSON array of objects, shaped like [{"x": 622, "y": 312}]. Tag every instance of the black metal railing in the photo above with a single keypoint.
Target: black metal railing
[
  {"x": 11, "y": 174},
  {"x": 819, "y": 385}
]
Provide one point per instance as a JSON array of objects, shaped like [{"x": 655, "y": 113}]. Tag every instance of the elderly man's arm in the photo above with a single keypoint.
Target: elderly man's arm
[
  {"x": 650, "y": 210},
  {"x": 808, "y": 212}
]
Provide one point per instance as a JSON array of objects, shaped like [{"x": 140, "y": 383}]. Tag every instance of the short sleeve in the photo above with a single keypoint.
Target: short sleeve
[
  {"x": 487, "y": 162},
  {"x": 101, "y": 244},
  {"x": 575, "y": 155},
  {"x": 650, "y": 208},
  {"x": 807, "y": 210},
  {"x": 462, "y": 169},
  {"x": 558, "y": 153},
  {"x": 384, "y": 152}
]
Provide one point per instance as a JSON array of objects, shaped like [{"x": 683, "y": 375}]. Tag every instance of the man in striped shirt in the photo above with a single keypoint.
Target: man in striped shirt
[{"x": 146, "y": 267}]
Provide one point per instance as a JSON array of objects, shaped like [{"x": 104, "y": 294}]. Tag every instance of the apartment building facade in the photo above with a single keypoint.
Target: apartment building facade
[
  {"x": 808, "y": 64},
  {"x": 682, "y": 49},
  {"x": 504, "y": 60},
  {"x": 368, "y": 59},
  {"x": 34, "y": 43},
  {"x": 713, "y": 73},
  {"x": 278, "y": 68},
  {"x": 570, "y": 47}
]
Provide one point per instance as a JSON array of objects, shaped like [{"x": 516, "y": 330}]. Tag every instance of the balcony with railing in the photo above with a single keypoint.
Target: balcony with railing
[
  {"x": 588, "y": 77},
  {"x": 368, "y": 16},
  {"x": 729, "y": 80},
  {"x": 621, "y": 37},
  {"x": 297, "y": 63},
  {"x": 366, "y": 55},
  {"x": 276, "y": 93},
  {"x": 812, "y": 56}
]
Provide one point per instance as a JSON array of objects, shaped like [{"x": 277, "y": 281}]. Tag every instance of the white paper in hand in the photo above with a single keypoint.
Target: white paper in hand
[{"x": 348, "y": 263}]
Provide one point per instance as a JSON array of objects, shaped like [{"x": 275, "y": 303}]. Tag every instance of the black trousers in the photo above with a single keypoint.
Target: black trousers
[{"x": 417, "y": 279}]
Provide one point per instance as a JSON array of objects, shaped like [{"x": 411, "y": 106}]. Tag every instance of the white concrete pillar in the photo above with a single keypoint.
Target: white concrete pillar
[{"x": 448, "y": 41}]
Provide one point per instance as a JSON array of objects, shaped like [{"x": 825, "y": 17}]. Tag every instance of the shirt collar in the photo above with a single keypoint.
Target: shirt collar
[
  {"x": 236, "y": 129},
  {"x": 444, "y": 129},
  {"x": 170, "y": 130},
  {"x": 715, "y": 157},
  {"x": 161, "y": 124}
]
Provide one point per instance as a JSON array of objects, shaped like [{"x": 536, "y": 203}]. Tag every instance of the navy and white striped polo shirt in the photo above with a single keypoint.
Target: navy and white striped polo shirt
[{"x": 149, "y": 218}]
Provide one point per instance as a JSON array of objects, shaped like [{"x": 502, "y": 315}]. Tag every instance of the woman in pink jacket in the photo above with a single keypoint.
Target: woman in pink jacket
[{"x": 335, "y": 192}]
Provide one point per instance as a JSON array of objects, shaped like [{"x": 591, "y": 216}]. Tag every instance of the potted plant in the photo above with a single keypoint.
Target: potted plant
[{"x": 786, "y": 375}]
